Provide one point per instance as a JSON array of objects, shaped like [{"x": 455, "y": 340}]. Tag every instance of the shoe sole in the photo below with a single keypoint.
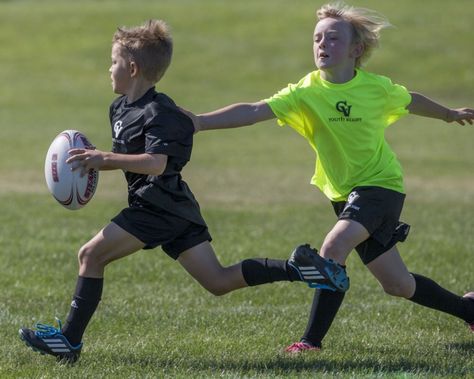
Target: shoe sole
[
  {"x": 27, "y": 343},
  {"x": 37, "y": 350},
  {"x": 320, "y": 264}
]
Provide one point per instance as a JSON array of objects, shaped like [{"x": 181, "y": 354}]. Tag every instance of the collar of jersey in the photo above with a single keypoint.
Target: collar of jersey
[
  {"x": 144, "y": 99},
  {"x": 350, "y": 83}
]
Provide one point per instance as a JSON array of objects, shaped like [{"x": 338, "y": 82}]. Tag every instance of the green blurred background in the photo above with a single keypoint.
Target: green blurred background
[{"x": 252, "y": 183}]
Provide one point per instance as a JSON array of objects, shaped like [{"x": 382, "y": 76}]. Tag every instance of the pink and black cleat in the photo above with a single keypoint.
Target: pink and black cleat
[{"x": 470, "y": 295}]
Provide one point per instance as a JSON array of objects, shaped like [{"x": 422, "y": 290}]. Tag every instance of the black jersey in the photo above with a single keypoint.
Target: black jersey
[{"x": 154, "y": 124}]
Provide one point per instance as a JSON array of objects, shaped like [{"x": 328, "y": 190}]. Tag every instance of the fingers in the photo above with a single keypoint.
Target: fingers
[
  {"x": 79, "y": 160},
  {"x": 82, "y": 165},
  {"x": 464, "y": 116},
  {"x": 82, "y": 154},
  {"x": 466, "y": 119},
  {"x": 468, "y": 115}
]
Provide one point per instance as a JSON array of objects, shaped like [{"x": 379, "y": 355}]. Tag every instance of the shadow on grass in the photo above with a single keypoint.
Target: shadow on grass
[
  {"x": 293, "y": 365},
  {"x": 462, "y": 346}
]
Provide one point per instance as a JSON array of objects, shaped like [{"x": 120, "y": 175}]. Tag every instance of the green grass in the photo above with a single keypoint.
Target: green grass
[{"x": 253, "y": 186}]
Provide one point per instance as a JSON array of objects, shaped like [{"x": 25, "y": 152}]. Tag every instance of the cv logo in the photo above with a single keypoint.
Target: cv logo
[
  {"x": 344, "y": 108},
  {"x": 118, "y": 128}
]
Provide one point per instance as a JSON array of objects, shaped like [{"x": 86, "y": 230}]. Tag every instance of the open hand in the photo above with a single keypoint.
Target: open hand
[
  {"x": 461, "y": 116},
  {"x": 85, "y": 160}
]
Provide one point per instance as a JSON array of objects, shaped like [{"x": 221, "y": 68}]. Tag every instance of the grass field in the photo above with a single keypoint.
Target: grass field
[{"x": 253, "y": 186}]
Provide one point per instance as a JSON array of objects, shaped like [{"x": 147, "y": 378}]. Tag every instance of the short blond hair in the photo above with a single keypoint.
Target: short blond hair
[
  {"x": 150, "y": 46},
  {"x": 366, "y": 25}
]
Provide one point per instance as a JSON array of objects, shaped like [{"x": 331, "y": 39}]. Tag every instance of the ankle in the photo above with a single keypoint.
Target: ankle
[{"x": 311, "y": 343}]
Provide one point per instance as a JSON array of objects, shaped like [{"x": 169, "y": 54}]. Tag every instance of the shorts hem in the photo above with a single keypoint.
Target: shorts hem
[{"x": 176, "y": 251}]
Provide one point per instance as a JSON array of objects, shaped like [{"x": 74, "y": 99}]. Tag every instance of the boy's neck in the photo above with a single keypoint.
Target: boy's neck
[
  {"x": 138, "y": 90},
  {"x": 338, "y": 76}
]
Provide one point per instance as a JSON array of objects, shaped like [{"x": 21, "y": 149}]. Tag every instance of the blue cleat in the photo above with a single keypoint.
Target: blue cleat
[
  {"x": 317, "y": 271},
  {"x": 49, "y": 340}
]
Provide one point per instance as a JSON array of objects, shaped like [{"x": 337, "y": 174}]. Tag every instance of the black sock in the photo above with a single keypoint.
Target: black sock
[
  {"x": 432, "y": 295},
  {"x": 325, "y": 305},
  {"x": 86, "y": 298},
  {"x": 263, "y": 270}
]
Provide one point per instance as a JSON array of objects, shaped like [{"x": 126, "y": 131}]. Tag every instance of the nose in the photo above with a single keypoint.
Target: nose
[{"x": 322, "y": 41}]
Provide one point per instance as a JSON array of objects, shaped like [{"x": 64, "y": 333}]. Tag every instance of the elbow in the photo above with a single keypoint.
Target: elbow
[
  {"x": 158, "y": 169},
  {"x": 157, "y": 164},
  {"x": 411, "y": 107}
]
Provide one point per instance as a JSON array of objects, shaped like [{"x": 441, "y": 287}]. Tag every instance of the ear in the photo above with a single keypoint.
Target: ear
[
  {"x": 133, "y": 69},
  {"x": 357, "y": 50}
]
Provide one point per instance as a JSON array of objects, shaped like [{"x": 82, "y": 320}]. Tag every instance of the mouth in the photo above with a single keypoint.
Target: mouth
[{"x": 323, "y": 55}]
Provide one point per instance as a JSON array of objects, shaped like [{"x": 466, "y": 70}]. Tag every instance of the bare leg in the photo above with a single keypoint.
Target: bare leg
[
  {"x": 202, "y": 264},
  {"x": 110, "y": 244},
  {"x": 342, "y": 238},
  {"x": 395, "y": 279},
  {"x": 392, "y": 274},
  {"x": 339, "y": 242}
]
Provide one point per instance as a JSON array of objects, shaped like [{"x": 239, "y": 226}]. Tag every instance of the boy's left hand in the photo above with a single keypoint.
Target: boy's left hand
[
  {"x": 461, "y": 116},
  {"x": 85, "y": 159}
]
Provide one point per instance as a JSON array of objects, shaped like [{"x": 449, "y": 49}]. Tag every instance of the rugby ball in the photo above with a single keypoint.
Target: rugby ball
[{"x": 67, "y": 186}]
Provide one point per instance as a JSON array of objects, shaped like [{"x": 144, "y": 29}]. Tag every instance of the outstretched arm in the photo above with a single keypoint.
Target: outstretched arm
[
  {"x": 233, "y": 116},
  {"x": 86, "y": 159},
  {"x": 423, "y": 106}
]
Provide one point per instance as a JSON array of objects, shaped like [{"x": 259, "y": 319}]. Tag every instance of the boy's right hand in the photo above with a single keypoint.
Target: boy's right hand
[
  {"x": 194, "y": 119},
  {"x": 461, "y": 116}
]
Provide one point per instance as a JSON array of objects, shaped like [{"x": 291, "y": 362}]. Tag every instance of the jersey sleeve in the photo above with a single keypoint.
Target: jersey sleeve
[
  {"x": 284, "y": 105},
  {"x": 169, "y": 134},
  {"x": 398, "y": 98}
]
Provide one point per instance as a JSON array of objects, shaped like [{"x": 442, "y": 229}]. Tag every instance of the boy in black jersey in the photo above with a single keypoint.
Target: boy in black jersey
[{"x": 152, "y": 141}]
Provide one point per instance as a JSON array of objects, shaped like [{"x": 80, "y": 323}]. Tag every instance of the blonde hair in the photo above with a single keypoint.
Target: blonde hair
[
  {"x": 366, "y": 25},
  {"x": 150, "y": 46}
]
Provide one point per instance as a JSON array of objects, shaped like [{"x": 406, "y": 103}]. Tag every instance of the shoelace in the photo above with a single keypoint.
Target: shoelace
[{"x": 43, "y": 330}]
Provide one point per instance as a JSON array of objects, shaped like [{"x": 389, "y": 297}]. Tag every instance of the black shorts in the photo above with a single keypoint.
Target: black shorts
[
  {"x": 378, "y": 210},
  {"x": 154, "y": 227}
]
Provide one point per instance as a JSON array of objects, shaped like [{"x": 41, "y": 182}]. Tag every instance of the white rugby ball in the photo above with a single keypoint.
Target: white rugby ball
[{"x": 67, "y": 186}]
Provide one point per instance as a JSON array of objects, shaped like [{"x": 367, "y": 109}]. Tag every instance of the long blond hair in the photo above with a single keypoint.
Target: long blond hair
[{"x": 366, "y": 25}]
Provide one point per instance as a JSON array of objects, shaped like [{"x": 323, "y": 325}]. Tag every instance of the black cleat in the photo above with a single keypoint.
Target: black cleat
[
  {"x": 49, "y": 340},
  {"x": 317, "y": 271}
]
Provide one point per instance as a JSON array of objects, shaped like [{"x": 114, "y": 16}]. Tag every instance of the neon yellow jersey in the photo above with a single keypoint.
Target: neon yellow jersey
[{"x": 345, "y": 125}]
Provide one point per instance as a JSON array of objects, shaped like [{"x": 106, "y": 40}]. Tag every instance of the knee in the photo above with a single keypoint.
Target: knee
[
  {"x": 403, "y": 289},
  {"x": 88, "y": 257},
  {"x": 218, "y": 284},
  {"x": 217, "y": 289},
  {"x": 333, "y": 249}
]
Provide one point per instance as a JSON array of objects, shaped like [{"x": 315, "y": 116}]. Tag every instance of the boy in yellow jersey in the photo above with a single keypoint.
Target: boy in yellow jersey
[{"x": 343, "y": 111}]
